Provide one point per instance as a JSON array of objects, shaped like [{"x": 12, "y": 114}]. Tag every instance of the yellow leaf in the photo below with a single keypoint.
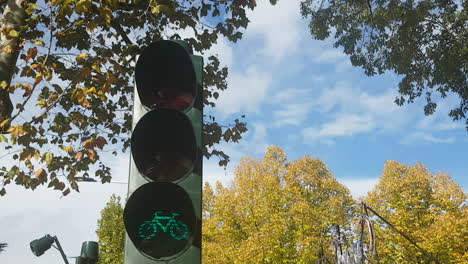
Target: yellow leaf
[
  {"x": 91, "y": 90},
  {"x": 4, "y": 84},
  {"x": 82, "y": 55},
  {"x": 7, "y": 49},
  {"x": 68, "y": 149},
  {"x": 96, "y": 67},
  {"x": 13, "y": 33},
  {"x": 5, "y": 122},
  {"x": 39, "y": 42},
  {"x": 16, "y": 130},
  {"x": 38, "y": 78}
]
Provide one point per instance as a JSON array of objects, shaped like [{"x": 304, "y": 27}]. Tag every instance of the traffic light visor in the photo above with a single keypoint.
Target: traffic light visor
[
  {"x": 160, "y": 220},
  {"x": 165, "y": 76}
]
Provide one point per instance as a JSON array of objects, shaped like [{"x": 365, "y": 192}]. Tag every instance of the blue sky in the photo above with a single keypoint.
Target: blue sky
[{"x": 296, "y": 92}]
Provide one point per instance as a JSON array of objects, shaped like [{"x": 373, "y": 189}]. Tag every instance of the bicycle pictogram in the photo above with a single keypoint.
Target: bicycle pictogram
[{"x": 177, "y": 229}]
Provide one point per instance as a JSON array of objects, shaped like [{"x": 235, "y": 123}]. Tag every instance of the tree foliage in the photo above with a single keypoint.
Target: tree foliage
[
  {"x": 274, "y": 212},
  {"x": 429, "y": 208},
  {"x": 72, "y": 84},
  {"x": 111, "y": 232},
  {"x": 425, "y": 41},
  {"x": 3, "y": 246}
]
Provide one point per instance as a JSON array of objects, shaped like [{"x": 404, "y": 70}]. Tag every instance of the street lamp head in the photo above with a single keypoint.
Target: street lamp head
[{"x": 41, "y": 245}]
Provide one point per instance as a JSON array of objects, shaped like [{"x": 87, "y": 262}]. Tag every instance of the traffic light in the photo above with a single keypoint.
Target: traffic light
[
  {"x": 89, "y": 253},
  {"x": 162, "y": 215}
]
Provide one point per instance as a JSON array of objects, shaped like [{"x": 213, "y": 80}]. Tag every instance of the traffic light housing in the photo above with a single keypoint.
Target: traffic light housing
[{"x": 162, "y": 215}]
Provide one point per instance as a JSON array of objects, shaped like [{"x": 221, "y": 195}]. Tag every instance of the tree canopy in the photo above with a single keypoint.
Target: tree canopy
[
  {"x": 66, "y": 70},
  {"x": 425, "y": 41},
  {"x": 275, "y": 212},
  {"x": 430, "y": 208},
  {"x": 111, "y": 232}
]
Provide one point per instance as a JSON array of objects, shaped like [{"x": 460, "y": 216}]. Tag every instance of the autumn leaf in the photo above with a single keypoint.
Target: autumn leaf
[
  {"x": 39, "y": 42},
  {"x": 91, "y": 90},
  {"x": 68, "y": 149},
  {"x": 7, "y": 49},
  {"x": 96, "y": 67},
  {"x": 27, "y": 89},
  {"x": 82, "y": 56},
  {"x": 31, "y": 54},
  {"x": 16, "y": 130},
  {"x": 25, "y": 154},
  {"x": 79, "y": 155},
  {"x": 85, "y": 72},
  {"x": 40, "y": 173},
  {"x": 38, "y": 78},
  {"x": 100, "y": 142},
  {"x": 91, "y": 154},
  {"x": 88, "y": 144},
  {"x": 13, "y": 33},
  {"x": 3, "y": 84}
]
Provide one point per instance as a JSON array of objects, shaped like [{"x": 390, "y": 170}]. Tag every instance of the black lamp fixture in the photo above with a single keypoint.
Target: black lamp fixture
[
  {"x": 41, "y": 245},
  {"x": 89, "y": 249}
]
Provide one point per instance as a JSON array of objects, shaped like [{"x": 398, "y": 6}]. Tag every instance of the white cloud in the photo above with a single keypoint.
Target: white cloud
[
  {"x": 329, "y": 56},
  {"x": 245, "y": 93},
  {"x": 360, "y": 186},
  {"x": 291, "y": 114},
  {"x": 342, "y": 94},
  {"x": 278, "y": 25},
  {"x": 420, "y": 136},
  {"x": 343, "y": 125},
  {"x": 354, "y": 111}
]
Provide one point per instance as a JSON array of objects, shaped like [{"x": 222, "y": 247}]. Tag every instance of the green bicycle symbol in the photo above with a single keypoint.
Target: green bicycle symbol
[{"x": 177, "y": 229}]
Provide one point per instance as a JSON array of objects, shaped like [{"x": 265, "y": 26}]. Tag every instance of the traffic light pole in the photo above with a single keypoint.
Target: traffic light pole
[{"x": 162, "y": 215}]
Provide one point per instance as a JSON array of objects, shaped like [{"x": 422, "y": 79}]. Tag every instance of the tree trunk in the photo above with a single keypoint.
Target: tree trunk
[{"x": 14, "y": 16}]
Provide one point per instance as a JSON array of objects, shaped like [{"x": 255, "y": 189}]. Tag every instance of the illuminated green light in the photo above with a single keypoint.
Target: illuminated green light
[{"x": 177, "y": 229}]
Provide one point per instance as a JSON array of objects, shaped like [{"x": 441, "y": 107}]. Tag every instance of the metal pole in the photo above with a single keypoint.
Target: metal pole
[{"x": 61, "y": 250}]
